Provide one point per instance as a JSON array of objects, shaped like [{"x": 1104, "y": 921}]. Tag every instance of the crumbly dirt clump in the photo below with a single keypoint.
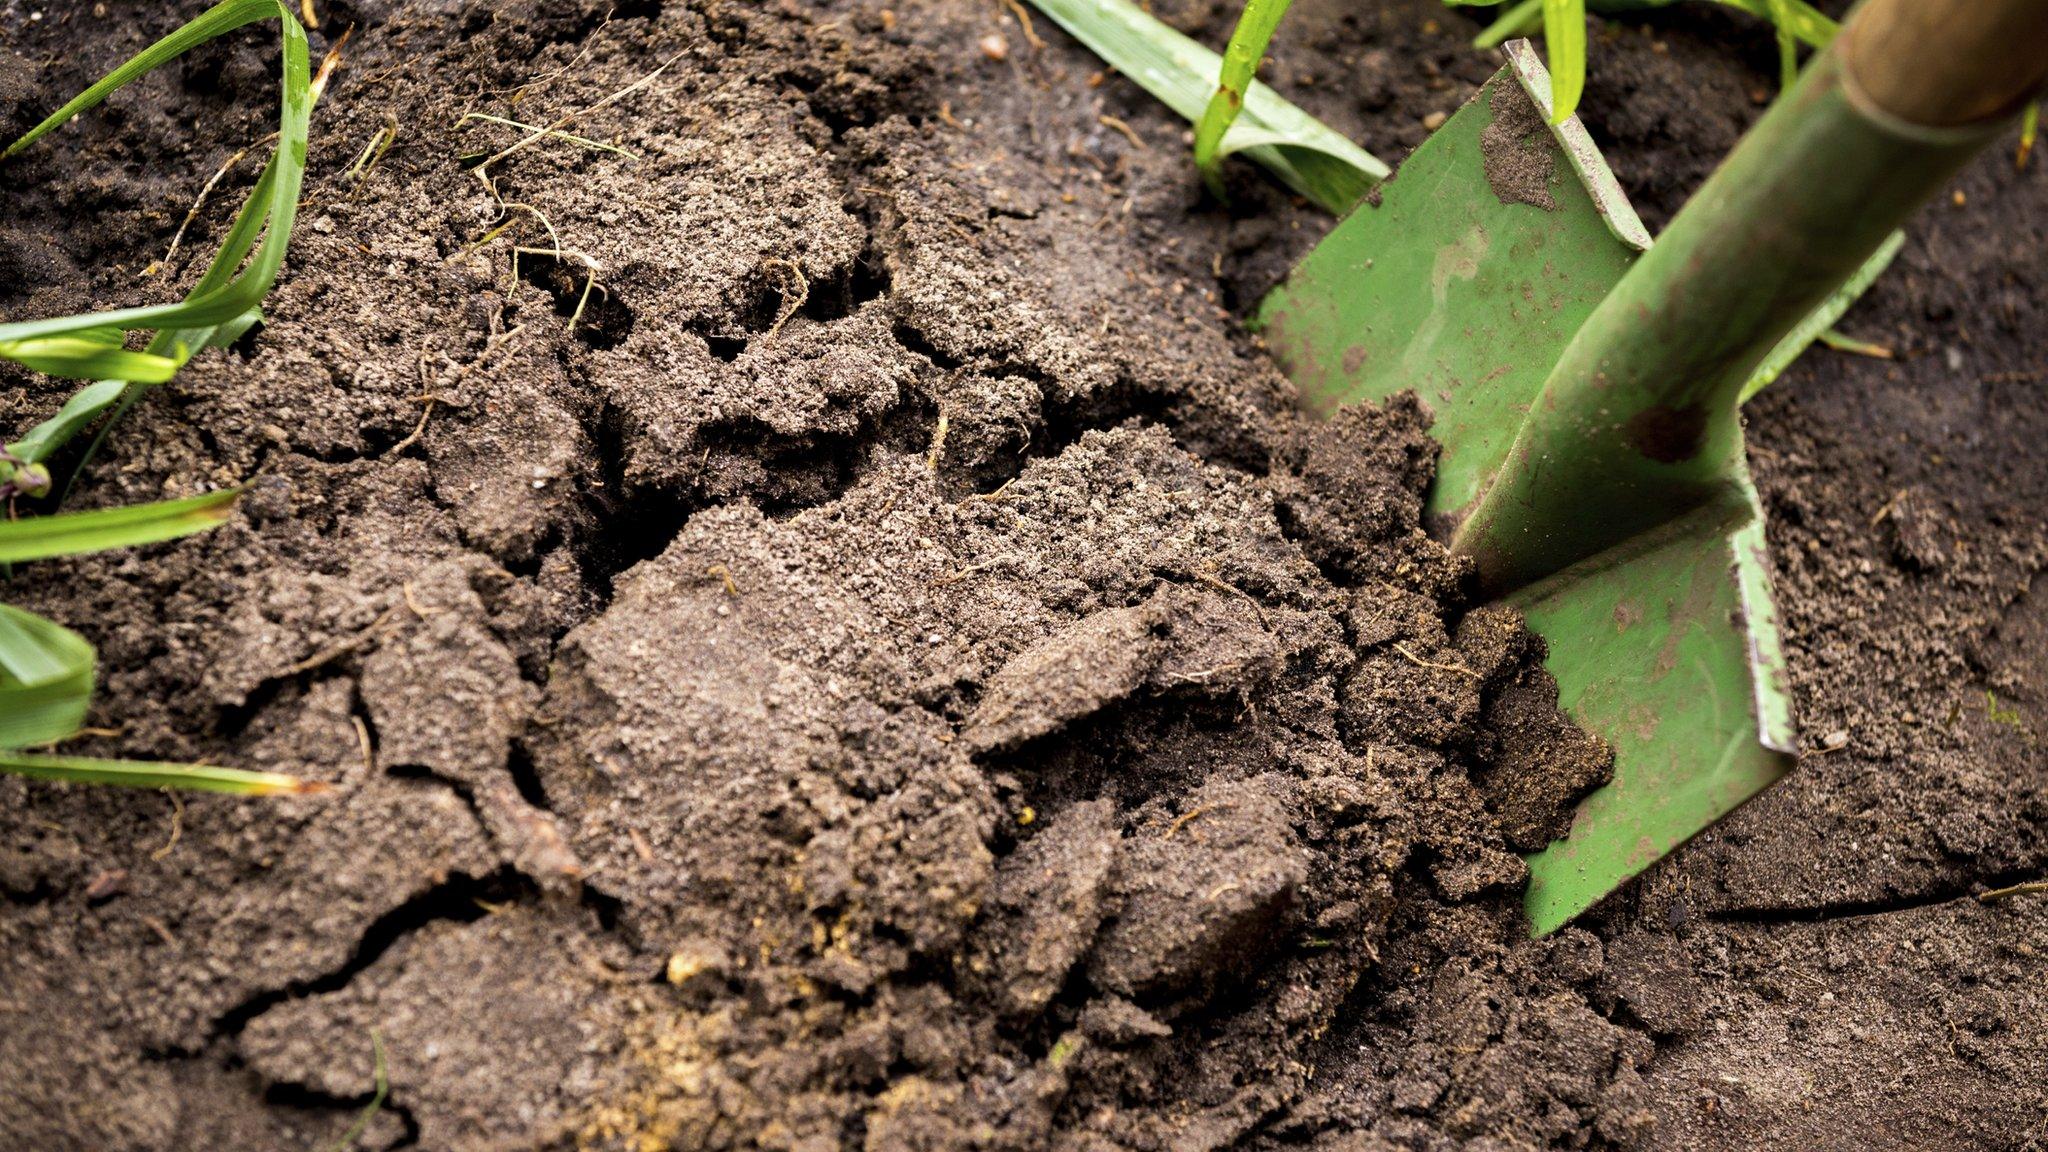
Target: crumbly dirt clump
[{"x": 824, "y": 633}]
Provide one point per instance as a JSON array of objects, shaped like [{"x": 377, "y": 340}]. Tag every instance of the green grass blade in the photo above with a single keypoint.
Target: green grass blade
[
  {"x": 1805, "y": 23},
  {"x": 146, "y": 774},
  {"x": 84, "y": 406},
  {"x": 36, "y": 651},
  {"x": 1298, "y": 149},
  {"x": 1822, "y": 318},
  {"x": 76, "y": 533},
  {"x": 46, "y": 673},
  {"x": 1255, "y": 27},
  {"x": 1519, "y": 19},
  {"x": 1788, "y": 43},
  {"x": 221, "y": 303},
  {"x": 380, "y": 1083},
  {"x": 211, "y": 303},
  {"x": 82, "y": 359},
  {"x": 216, "y": 21},
  {"x": 1564, "y": 40}
]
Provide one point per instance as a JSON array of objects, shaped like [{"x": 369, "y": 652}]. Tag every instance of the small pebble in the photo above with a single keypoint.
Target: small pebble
[
  {"x": 1435, "y": 120},
  {"x": 1834, "y": 741},
  {"x": 995, "y": 47}
]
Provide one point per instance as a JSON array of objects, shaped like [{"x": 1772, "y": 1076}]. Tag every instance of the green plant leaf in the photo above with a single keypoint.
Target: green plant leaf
[
  {"x": 1805, "y": 23},
  {"x": 149, "y": 774},
  {"x": 1564, "y": 41},
  {"x": 1300, "y": 151},
  {"x": 229, "y": 295},
  {"x": 1519, "y": 19},
  {"x": 46, "y": 670},
  {"x": 45, "y": 679},
  {"x": 227, "y": 292},
  {"x": 1817, "y": 323},
  {"x": 1788, "y": 43},
  {"x": 77, "y": 358},
  {"x": 1794, "y": 20},
  {"x": 1255, "y": 26},
  {"x": 75, "y": 533}
]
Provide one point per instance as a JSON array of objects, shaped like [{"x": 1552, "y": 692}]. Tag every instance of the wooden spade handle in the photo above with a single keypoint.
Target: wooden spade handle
[{"x": 1947, "y": 63}]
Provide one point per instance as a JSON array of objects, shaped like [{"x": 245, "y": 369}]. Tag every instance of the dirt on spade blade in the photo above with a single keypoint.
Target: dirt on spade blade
[{"x": 826, "y": 633}]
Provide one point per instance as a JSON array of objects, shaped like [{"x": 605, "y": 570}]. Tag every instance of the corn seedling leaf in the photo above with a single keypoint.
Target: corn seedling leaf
[
  {"x": 1797, "y": 18},
  {"x": 149, "y": 774},
  {"x": 46, "y": 671},
  {"x": 1255, "y": 26},
  {"x": 1788, "y": 44},
  {"x": 380, "y": 1083},
  {"x": 221, "y": 295},
  {"x": 1564, "y": 41},
  {"x": 1298, "y": 149},
  {"x": 1816, "y": 325},
  {"x": 1795, "y": 21},
  {"x": 77, "y": 358},
  {"x": 1519, "y": 19},
  {"x": 76, "y": 533},
  {"x": 45, "y": 679}
]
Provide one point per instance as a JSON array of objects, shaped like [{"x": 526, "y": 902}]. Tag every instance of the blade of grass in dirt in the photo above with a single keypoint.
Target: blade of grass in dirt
[
  {"x": 1564, "y": 42},
  {"x": 1241, "y": 58},
  {"x": 1796, "y": 22},
  {"x": 222, "y": 305},
  {"x": 80, "y": 357},
  {"x": 45, "y": 679},
  {"x": 1788, "y": 44},
  {"x": 148, "y": 774},
  {"x": 1816, "y": 325},
  {"x": 380, "y": 1080},
  {"x": 77, "y": 533},
  {"x": 1806, "y": 24},
  {"x": 1518, "y": 19},
  {"x": 2030, "y": 129},
  {"x": 229, "y": 295},
  {"x": 1299, "y": 150},
  {"x": 46, "y": 671}
]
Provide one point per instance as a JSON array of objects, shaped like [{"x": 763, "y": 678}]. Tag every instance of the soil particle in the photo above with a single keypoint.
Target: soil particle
[
  {"x": 1516, "y": 150},
  {"x": 1048, "y": 903},
  {"x": 1070, "y": 674},
  {"x": 1649, "y": 976},
  {"x": 1202, "y": 901}
]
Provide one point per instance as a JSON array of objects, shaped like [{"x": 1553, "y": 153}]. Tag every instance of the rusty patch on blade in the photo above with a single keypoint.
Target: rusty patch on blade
[{"x": 1668, "y": 435}]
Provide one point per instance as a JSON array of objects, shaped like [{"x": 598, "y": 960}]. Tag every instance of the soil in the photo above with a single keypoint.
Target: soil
[{"x": 841, "y": 639}]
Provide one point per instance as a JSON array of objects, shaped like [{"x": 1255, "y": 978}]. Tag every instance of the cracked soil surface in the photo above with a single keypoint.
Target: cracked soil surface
[{"x": 825, "y": 633}]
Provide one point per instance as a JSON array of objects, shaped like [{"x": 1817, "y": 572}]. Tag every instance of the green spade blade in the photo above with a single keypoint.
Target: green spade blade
[
  {"x": 1487, "y": 253},
  {"x": 1667, "y": 647},
  {"x": 1587, "y": 389},
  {"x": 1487, "y": 250}
]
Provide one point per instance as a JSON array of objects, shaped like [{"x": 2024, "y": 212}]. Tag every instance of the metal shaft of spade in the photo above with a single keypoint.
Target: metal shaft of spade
[{"x": 1637, "y": 422}]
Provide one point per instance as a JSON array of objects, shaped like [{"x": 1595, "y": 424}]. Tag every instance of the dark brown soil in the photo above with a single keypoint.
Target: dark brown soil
[{"x": 895, "y": 673}]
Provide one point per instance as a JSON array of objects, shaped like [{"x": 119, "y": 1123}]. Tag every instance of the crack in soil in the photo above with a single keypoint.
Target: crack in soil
[
  {"x": 1949, "y": 893},
  {"x": 454, "y": 899}
]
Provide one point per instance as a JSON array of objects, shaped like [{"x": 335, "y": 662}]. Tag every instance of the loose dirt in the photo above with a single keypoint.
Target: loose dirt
[{"x": 826, "y": 633}]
